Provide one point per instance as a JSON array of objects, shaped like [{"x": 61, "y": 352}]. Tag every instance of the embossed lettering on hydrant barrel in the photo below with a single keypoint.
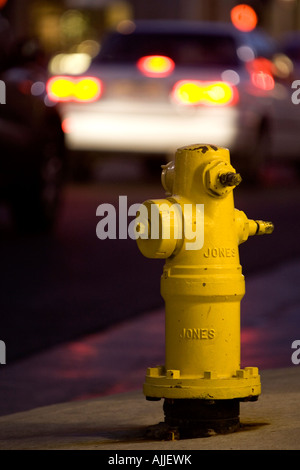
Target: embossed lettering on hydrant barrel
[{"x": 197, "y": 333}]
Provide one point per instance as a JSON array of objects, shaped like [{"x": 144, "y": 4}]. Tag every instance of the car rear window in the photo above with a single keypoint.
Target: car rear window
[{"x": 185, "y": 49}]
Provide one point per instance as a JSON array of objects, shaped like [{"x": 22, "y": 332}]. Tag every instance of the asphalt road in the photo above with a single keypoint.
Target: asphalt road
[{"x": 61, "y": 287}]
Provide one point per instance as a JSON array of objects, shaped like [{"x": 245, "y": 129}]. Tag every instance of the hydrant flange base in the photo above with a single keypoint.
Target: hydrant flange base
[{"x": 161, "y": 384}]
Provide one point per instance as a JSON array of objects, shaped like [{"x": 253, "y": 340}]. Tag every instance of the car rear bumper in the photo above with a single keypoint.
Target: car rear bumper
[{"x": 149, "y": 132}]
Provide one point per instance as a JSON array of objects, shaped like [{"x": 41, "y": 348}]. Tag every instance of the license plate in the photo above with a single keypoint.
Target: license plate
[{"x": 136, "y": 89}]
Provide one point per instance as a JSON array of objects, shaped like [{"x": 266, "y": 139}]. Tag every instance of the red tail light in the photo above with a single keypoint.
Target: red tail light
[
  {"x": 156, "y": 65},
  {"x": 260, "y": 70},
  {"x": 195, "y": 92},
  {"x": 79, "y": 89}
]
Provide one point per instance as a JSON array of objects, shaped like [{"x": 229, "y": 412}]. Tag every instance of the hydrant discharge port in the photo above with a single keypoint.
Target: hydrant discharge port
[{"x": 197, "y": 230}]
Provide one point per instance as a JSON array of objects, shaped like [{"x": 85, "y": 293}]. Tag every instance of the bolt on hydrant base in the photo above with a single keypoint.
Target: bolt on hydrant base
[{"x": 197, "y": 230}]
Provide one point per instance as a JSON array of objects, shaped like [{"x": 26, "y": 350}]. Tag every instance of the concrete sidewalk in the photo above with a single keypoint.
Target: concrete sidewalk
[
  {"x": 94, "y": 384},
  {"x": 119, "y": 422}
]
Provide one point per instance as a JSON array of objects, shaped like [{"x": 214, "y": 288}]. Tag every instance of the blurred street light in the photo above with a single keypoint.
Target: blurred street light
[{"x": 244, "y": 17}]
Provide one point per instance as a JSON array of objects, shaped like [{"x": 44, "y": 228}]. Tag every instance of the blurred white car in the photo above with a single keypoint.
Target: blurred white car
[{"x": 159, "y": 85}]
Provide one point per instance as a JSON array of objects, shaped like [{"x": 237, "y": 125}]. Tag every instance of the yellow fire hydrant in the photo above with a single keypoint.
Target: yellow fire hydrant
[{"x": 198, "y": 231}]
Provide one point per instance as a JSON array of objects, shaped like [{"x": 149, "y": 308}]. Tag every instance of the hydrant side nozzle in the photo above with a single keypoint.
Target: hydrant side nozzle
[
  {"x": 260, "y": 227},
  {"x": 158, "y": 227},
  {"x": 264, "y": 228},
  {"x": 248, "y": 227}
]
